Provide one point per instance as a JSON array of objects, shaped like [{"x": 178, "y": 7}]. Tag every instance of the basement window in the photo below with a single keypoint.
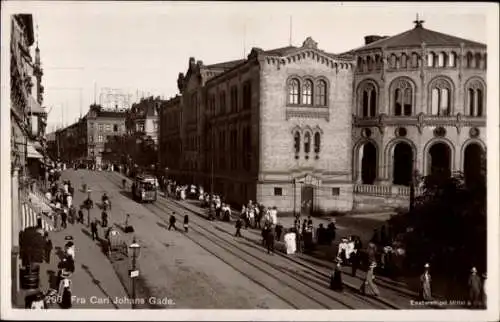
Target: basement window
[
  {"x": 278, "y": 191},
  {"x": 335, "y": 191}
]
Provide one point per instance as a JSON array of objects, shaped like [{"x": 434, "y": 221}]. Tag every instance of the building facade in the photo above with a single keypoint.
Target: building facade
[
  {"x": 169, "y": 142},
  {"x": 308, "y": 131},
  {"x": 255, "y": 129},
  {"x": 85, "y": 140},
  {"x": 142, "y": 118},
  {"x": 28, "y": 122},
  {"x": 419, "y": 107}
]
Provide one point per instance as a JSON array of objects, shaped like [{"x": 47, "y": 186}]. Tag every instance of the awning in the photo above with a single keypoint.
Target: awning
[
  {"x": 33, "y": 153},
  {"x": 29, "y": 218}
]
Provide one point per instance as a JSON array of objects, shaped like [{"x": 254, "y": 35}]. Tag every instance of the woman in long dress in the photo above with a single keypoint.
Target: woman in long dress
[
  {"x": 368, "y": 287},
  {"x": 336, "y": 279},
  {"x": 425, "y": 284}
]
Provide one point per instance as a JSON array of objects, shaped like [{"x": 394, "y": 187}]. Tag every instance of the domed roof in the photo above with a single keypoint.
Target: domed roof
[{"x": 416, "y": 37}]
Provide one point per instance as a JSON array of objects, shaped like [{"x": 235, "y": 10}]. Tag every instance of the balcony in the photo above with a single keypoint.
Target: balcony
[{"x": 388, "y": 191}]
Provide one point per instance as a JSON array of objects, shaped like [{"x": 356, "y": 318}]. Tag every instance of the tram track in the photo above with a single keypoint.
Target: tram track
[{"x": 299, "y": 285}]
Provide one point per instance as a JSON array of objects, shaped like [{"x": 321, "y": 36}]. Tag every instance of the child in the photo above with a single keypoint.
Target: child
[{"x": 186, "y": 223}]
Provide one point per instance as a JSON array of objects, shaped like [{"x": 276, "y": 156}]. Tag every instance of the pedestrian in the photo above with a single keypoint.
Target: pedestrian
[
  {"x": 172, "y": 221},
  {"x": 474, "y": 289},
  {"x": 47, "y": 247},
  {"x": 72, "y": 214},
  {"x": 238, "y": 226},
  {"x": 69, "y": 200},
  {"x": 104, "y": 219},
  {"x": 355, "y": 259},
  {"x": 65, "y": 293},
  {"x": 270, "y": 239},
  {"x": 368, "y": 287},
  {"x": 186, "y": 223},
  {"x": 336, "y": 278},
  {"x": 425, "y": 284},
  {"x": 80, "y": 215},
  {"x": 93, "y": 229},
  {"x": 64, "y": 218}
]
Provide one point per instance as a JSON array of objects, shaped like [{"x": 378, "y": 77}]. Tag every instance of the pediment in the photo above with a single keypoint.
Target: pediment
[{"x": 308, "y": 179}]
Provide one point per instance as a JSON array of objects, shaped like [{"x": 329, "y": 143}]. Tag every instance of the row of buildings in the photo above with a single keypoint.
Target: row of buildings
[
  {"x": 307, "y": 130},
  {"x": 28, "y": 120},
  {"x": 106, "y": 135}
]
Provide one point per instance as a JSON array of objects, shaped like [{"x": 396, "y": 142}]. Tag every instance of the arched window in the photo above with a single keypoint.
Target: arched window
[
  {"x": 403, "y": 98},
  {"x": 378, "y": 62},
  {"x": 478, "y": 61},
  {"x": 430, "y": 60},
  {"x": 368, "y": 100},
  {"x": 307, "y": 143},
  {"x": 441, "y": 98},
  {"x": 317, "y": 142},
  {"x": 393, "y": 61},
  {"x": 414, "y": 60},
  {"x": 369, "y": 62},
  {"x": 452, "y": 61},
  {"x": 469, "y": 60},
  {"x": 307, "y": 93},
  {"x": 361, "y": 66},
  {"x": 441, "y": 60},
  {"x": 475, "y": 99},
  {"x": 321, "y": 93},
  {"x": 404, "y": 60},
  {"x": 297, "y": 142},
  {"x": 293, "y": 91}
]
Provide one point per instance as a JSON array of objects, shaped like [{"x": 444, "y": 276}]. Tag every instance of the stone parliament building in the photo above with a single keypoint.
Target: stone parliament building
[{"x": 306, "y": 130}]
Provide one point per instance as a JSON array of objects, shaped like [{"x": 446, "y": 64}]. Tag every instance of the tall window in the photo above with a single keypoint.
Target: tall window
[
  {"x": 293, "y": 91},
  {"x": 378, "y": 62},
  {"x": 247, "y": 95},
  {"x": 414, "y": 60},
  {"x": 307, "y": 93},
  {"x": 361, "y": 65},
  {"x": 321, "y": 93},
  {"x": 369, "y": 100},
  {"x": 222, "y": 102},
  {"x": 369, "y": 63},
  {"x": 317, "y": 142},
  {"x": 440, "y": 98},
  {"x": 441, "y": 59},
  {"x": 478, "y": 60},
  {"x": 393, "y": 61},
  {"x": 234, "y": 99},
  {"x": 115, "y": 127},
  {"x": 222, "y": 149},
  {"x": 403, "y": 98},
  {"x": 469, "y": 60},
  {"x": 430, "y": 60},
  {"x": 296, "y": 140},
  {"x": 307, "y": 143},
  {"x": 404, "y": 60},
  {"x": 452, "y": 61},
  {"x": 475, "y": 99}
]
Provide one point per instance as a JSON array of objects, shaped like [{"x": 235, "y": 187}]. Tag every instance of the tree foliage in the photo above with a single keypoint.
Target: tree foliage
[
  {"x": 447, "y": 227},
  {"x": 31, "y": 244}
]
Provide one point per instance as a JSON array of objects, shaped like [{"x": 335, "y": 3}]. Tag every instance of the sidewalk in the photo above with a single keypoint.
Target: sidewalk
[{"x": 94, "y": 282}]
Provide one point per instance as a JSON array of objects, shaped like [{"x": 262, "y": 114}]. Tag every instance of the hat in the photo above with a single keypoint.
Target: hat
[
  {"x": 373, "y": 264},
  {"x": 338, "y": 260},
  {"x": 484, "y": 275},
  {"x": 426, "y": 265},
  {"x": 473, "y": 270}
]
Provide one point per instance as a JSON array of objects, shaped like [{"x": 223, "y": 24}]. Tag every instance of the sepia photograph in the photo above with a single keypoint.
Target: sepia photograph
[{"x": 261, "y": 160}]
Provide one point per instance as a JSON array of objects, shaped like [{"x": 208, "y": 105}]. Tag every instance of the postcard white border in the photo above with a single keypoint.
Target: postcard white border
[{"x": 491, "y": 11}]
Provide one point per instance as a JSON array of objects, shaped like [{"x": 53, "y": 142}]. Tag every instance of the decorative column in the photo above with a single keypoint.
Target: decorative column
[{"x": 16, "y": 228}]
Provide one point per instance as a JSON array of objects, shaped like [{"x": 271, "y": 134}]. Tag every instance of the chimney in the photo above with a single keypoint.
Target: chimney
[{"x": 372, "y": 38}]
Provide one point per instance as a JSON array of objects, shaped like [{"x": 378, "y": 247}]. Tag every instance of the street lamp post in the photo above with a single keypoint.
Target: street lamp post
[
  {"x": 134, "y": 272},
  {"x": 88, "y": 207}
]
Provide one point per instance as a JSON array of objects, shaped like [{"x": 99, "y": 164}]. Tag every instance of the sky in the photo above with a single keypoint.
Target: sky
[{"x": 140, "y": 48}]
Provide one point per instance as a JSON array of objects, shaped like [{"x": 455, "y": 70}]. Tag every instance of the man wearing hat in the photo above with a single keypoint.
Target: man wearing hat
[
  {"x": 336, "y": 279},
  {"x": 425, "y": 284},
  {"x": 474, "y": 288}
]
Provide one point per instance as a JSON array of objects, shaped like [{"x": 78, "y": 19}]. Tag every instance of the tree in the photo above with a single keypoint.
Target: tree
[
  {"x": 448, "y": 224},
  {"x": 31, "y": 246}
]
